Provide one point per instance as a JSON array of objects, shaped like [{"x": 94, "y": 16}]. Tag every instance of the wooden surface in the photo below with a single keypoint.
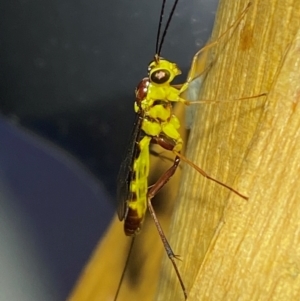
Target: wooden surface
[
  {"x": 231, "y": 249},
  {"x": 235, "y": 249}
]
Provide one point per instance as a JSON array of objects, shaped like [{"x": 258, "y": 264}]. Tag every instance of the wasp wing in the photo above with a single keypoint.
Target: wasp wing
[{"x": 126, "y": 169}]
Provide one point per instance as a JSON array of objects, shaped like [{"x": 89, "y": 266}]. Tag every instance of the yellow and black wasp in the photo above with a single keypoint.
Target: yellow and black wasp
[{"x": 155, "y": 123}]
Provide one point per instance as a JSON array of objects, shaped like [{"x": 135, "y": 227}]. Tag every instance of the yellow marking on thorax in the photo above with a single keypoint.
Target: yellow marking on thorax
[{"x": 165, "y": 92}]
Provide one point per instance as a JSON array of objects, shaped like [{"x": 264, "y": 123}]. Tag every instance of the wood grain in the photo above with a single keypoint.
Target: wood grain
[{"x": 235, "y": 249}]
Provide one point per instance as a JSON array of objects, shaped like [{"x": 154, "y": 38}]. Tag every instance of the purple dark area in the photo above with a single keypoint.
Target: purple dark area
[{"x": 65, "y": 205}]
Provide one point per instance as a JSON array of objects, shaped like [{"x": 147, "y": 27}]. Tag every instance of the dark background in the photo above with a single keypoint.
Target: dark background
[{"x": 68, "y": 74}]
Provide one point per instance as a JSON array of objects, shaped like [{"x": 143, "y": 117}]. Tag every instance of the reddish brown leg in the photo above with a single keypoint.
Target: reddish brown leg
[{"x": 153, "y": 190}]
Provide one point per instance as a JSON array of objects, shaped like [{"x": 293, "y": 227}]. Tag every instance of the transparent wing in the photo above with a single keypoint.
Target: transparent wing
[
  {"x": 192, "y": 95},
  {"x": 126, "y": 168}
]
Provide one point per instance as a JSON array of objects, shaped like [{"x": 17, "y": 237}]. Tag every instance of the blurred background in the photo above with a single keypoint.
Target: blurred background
[{"x": 67, "y": 80}]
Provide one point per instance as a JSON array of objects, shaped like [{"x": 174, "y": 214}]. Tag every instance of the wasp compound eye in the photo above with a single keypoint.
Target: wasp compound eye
[{"x": 160, "y": 76}]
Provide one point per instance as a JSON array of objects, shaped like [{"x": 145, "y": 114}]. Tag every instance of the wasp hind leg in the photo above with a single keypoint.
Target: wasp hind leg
[{"x": 168, "y": 144}]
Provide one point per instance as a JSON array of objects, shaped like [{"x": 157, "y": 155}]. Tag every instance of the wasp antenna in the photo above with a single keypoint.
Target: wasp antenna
[
  {"x": 167, "y": 26},
  {"x": 159, "y": 25}
]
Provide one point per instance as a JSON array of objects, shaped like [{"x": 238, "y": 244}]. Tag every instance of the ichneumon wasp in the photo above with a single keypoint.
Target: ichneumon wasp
[{"x": 155, "y": 124}]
